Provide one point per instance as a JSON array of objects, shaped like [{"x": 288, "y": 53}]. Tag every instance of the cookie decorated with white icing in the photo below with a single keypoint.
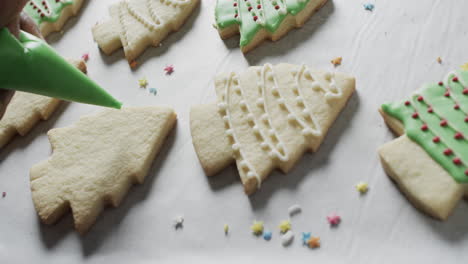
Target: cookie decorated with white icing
[
  {"x": 257, "y": 20},
  {"x": 266, "y": 118},
  {"x": 429, "y": 161},
  {"x": 51, "y": 15},
  {"x": 26, "y": 109},
  {"x": 96, "y": 160},
  {"x": 137, "y": 24}
]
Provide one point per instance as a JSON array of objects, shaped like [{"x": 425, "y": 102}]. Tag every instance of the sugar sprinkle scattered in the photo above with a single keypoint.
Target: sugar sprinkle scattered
[
  {"x": 362, "y": 187},
  {"x": 439, "y": 60},
  {"x": 369, "y": 7},
  {"x": 337, "y": 61},
  {"x": 287, "y": 238},
  {"x": 85, "y": 57},
  {"x": 294, "y": 209},
  {"x": 267, "y": 235},
  {"x": 179, "y": 222},
  {"x": 3, "y": 194},
  {"x": 169, "y": 69},
  {"x": 257, "y": 228},
  {"x": 226, "y": 229},
  {"x": 314, "y": 242},
  {"x": 153, "y": 91},
  {"x": 334, "y": 219},
  {"x": 143, "y": 83},
  {"x": 285, "y": 226},
  {"x": 305, "y": 237},
  {"x": 133, "y": 64}
]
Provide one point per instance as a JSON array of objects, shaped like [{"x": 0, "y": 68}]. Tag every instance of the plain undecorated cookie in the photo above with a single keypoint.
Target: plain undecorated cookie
[
  {"x": 26, "y": 109},
  {"x": 96, "y": 160},
  {"x": 266, "y": 118},
  {"x": 137, "y": 24}
]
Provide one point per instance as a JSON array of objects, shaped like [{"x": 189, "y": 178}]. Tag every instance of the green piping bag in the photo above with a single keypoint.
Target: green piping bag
[{"x": 28, "y": 64}]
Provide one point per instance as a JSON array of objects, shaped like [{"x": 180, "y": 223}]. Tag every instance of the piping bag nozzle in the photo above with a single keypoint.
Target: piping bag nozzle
[{"x": 28, "y": 64}]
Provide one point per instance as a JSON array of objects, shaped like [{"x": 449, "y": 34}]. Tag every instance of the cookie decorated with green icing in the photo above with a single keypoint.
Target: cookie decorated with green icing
[
  {"x": 51, "y": 15},
  {"x": 434, "y": 125},
  {"x": 257, "y": 20}
]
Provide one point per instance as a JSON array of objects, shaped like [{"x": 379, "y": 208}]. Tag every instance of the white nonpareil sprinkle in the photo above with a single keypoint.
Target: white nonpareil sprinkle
[
  {"x": 295, "y": 209},
  {"x": 179, "y": 222},
  {"x": 287, "y": 238}
]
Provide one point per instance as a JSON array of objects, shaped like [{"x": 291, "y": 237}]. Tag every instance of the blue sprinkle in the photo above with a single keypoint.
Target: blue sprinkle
[
  {"x": 153, "y": 91},
  {"x": 305, "y": 237},
  {"x": 267, "y": 235},
  {"x": 369, "y": 7}
]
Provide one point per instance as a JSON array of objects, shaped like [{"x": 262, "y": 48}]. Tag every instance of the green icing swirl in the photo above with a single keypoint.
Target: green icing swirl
[
  {"x": 448, "y": 102},
  {"x": 251, "y": 19},
  {"x": 37, "y": 10}
]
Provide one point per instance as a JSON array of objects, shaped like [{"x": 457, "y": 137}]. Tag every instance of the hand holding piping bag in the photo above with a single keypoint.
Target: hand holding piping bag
[{"x": 28, "y": 64}]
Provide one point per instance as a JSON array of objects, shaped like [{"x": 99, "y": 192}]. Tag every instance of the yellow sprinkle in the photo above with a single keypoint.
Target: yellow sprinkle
[
  {"x": 257, "y": 228},
  {"x": 337, "y": 61},
  {"x": 362, "y": 187},
  {"x": 143, "y": 83},
  {"x": 464, "y": 67},
  {"x": 285, "y": 226},
  {"x": 439, "y": 60},
  {"x": 226, "y": 229}
]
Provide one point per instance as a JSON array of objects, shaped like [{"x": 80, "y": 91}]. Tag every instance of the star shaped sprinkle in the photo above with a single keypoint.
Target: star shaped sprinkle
[
  {"x": 337, "y": 61},
  {"x": 314, "y": 242},
  {"x": 85, "y": 57},
  {"x": 267, "y": 235},
  {"x": 226, "y": 229},
  {"x": 257, "y": 228},
  {"x": 169, "y": 69},
  {"x": 305, "y": 237},
  {"x": 143, "y": 83},
  {"x": 285, "y": 226},
  {"x": 334, "y": 219},
  {"x": 369, "y": 7},
  {"x": 153, "y": 91},
  {"x": 362, "y": 187},
  {"x": 133, "y": 64},
  {"x": 179, "y": 222},
  {"x": 464, "y": 67}
]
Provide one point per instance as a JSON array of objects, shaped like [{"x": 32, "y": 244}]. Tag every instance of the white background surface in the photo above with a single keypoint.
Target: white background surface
[{"x": 391, "y": 51}]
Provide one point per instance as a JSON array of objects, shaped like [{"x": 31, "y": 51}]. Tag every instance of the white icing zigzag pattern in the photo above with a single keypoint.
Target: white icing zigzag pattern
[{"x": 264, "y": 130}]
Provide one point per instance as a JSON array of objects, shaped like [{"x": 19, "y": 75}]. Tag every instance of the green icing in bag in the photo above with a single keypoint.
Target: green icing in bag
[
  {"x": 30, "y": 65},
  {"x": 46, "y": 10},
  {"x": 436, "y": 118},
  {"x": 252, "y": 15}
]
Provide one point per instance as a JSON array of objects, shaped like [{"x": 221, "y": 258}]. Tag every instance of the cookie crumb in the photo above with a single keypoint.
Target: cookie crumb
[
  {"x": 257, "y": 228},
  {"x": 305, "y": 237},
  {"x": 267, "y": 235},
  {"x": 337, "y": 61},
  {"x": 294, "y": 209},
  {"x": 439, "y": 60},
  {"x": 362, "y": 187},
  {"x": 143, "y": 83},
  {"x": 133, "y": 64},
  {"x": 285, "y": 226},
  {"x": 369, "y": 7},
  {"x": 226, "y": 229},
  {"x": 169, "y": 69},
  {"x": 85, "y": 57},
  {"x": 287, "y": 238},
  {"x": 179, "y": 222},
  {"x": 314, "y": 242},
  {"x": 3, "y": 194},
  {"x": 334, "y": 219}
]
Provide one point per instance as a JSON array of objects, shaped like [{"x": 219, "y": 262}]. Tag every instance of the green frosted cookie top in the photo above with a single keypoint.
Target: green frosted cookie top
[{"x": 46, "y": 10}]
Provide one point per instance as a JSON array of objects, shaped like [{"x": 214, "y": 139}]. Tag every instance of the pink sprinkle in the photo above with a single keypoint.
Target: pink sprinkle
[
  {"x": 85, "y": 57},
  {"x": 169, "y": 69},
  {"x": 334, "y": 219},
  {"x": 3, "y": 194}
]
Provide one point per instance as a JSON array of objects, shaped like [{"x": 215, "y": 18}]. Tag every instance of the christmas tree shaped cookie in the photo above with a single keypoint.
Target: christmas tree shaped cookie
[
  {"x": 51, "y": 15},
  {"x": 257, "y": 20},
  {"x": 95, "y": 161},
  {"x": 137, "y": 24},
  {"x": 26, "y": 109},
  {"x": 429, "y": 161},
  {"x": 266, "y": 118}
]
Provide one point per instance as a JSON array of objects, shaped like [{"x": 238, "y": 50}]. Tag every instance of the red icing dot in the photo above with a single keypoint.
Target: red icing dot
[
  {"x": 420, "y": 98},
  {"x": 235, "y": 4},
  {"x": 441, "y": 83},
  {"x": 457, "y": 161},
  {"x": 455, "y": 79},
  {"x": 466, "y": 119},
  {"x": 436, "y": 139},
  {"x": 236, "y": 15},
  {"x": 277, "y": 7},
  {"x": 466, "y": 172},
  {"x": 458, "y": 135},
  {"x": 407, "y": 103},
  {"x": 430, "y": 110},
  {"x": 255, "y": 18},
  {"x": 42, "y": 14},
  {"x": 443, "y": 123},
  {"x": 456, "y": 107},
  {"x": 465, "y": 91},
  {"x": 424, "y": 127},
  {"x": 250, "y": 8},
  {"x": 447, "y": 94},
  {"x": 259, "y": 6},
  {"x": 415, "y": 115},
  {"x": 448, "y": 152}
]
